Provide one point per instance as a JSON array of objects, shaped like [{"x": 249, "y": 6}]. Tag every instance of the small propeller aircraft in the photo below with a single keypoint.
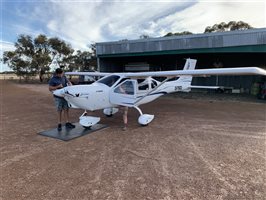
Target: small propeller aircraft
[{"x": 134, "y": 89}]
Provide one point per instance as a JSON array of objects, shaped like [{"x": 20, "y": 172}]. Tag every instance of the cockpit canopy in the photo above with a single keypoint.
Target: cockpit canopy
[{"x": 109, "y": 80}]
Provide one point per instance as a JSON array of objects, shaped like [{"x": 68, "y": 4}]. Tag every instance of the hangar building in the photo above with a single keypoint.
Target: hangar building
[{"x": 223, "y": 49}]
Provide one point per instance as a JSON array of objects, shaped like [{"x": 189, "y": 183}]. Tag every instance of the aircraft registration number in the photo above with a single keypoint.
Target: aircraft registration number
[{"x": 178, "y": 88}]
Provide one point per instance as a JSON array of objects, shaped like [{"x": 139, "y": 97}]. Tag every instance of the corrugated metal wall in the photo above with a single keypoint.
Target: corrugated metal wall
[{"x": 211, "y": 40}]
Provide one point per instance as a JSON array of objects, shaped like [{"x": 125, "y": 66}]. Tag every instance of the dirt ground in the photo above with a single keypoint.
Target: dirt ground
[{"x": 194, "y": 149}]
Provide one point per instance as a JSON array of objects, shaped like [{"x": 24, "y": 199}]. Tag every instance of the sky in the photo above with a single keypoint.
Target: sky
[{"x": 83, "y": 22}]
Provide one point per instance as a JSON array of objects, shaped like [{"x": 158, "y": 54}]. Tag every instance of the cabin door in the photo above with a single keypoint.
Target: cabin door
[{"x": 124, "y": 93}]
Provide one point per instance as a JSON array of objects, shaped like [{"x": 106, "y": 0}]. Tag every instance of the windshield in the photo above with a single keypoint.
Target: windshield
[{"x": 109, "y": 80}]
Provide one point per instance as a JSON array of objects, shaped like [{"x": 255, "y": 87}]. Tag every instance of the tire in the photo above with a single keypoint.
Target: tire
[
  {"x": 143, "y": 125},
  {"x": 87, "y": 127}
]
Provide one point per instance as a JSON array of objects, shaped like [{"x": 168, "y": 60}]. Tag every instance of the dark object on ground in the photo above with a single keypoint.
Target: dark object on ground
[
  {"x": 69, "y": 125},
  {"x": 67, "y": 134},
  {"x": 59, "y": 127}
]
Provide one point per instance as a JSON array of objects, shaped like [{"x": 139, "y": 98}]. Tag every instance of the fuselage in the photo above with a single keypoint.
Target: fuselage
[
  {"x": 103, "y": 93},
  {"x": 89, "y": 97}
]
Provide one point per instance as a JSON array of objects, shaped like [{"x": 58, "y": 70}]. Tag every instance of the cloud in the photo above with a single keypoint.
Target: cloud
[
  {"x": 5, "y": 46},
  {"x": 209, "y": 13},
  {"x": 81, "y": 23},
  {"x": 86, "y": 22}
]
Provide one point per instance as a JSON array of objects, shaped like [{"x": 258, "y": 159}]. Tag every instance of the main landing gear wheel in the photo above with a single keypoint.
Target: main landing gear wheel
[
  {"x": 110, "y": 111},
  {"x": 86, "y": 127},
  {"x": 88, "y": 121},
  {"x": 144, "y": 119}
]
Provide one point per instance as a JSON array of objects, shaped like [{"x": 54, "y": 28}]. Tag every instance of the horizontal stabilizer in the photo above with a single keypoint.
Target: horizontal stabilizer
[{"x": 204, "y": 87}]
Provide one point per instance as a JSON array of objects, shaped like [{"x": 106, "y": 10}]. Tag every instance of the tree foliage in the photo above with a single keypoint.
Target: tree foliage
[
  {"x": 84, "y": 60},
  {"x": 230, "y": 26},
  {"x": 144, "y": 36},
  {"x": 33, "y": 56},
  {"x": 178, "y": 33},
  {"x": 21, "y": 60}
]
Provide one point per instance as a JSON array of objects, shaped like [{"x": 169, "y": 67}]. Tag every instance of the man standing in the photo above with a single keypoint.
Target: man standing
[
  {"x": 125, "y": 110},
  {"x": 59, "y": 81}
]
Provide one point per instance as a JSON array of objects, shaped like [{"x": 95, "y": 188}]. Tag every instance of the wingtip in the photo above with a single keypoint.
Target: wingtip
[{"x": 259, "y": 71}]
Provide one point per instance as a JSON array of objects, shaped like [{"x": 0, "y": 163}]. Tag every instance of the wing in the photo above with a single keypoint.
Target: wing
[
  {"x": 87, "y": 73},
  {"x": 178, "y": 73},
  {"x": 200, "y": 72}
]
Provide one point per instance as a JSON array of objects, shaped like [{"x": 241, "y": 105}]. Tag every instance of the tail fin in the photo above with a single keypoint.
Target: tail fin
[{"x": 189, "y": 65}]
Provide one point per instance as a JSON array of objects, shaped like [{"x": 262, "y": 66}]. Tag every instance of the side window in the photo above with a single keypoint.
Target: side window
[
  {"x": 125, "y": 88},
  {"x": 144, "y": 87},
  {"x": 143, "y": 84},
  {"x": 153, "y": 84}
]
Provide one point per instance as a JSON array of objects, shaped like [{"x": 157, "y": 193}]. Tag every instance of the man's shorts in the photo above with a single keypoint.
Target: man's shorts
[{"x": 61, "y": 104}]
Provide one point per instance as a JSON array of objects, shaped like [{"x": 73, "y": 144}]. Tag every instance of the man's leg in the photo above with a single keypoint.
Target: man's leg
[
  {"x": 59, "y": 126},
  {"x": 59, "y": 112},
  {"x": 66, "y": 115},
  {"x": 125, "y": 118}
]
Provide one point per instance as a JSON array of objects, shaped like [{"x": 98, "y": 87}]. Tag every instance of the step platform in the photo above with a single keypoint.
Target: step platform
[{"x": 68, "y": 134}]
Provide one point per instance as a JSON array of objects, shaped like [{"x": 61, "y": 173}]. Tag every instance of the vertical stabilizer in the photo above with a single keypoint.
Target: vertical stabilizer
[{"x": 189, "y": 65}]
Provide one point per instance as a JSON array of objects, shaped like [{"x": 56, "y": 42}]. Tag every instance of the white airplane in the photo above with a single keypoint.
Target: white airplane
[{"x": 134, "y": 89}]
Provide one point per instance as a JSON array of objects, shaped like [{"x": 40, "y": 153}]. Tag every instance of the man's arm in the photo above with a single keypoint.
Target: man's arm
[
  {"x": 52, "y": 88},
  {"x": 67, "y": 81}
]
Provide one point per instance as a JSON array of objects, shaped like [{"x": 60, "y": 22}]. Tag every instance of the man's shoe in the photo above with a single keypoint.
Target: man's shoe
[
  {"x": 124, "y": 128},
  {"x": 59, "y": 127},
  {"x": 69, "y": 125}
]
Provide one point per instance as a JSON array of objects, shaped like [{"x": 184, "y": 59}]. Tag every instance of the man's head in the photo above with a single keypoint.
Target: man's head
[{"x": 59, "y": 72}]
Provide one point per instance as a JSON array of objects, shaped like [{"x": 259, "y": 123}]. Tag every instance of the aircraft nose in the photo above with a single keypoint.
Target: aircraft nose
[{"x": 60, "y": 92}]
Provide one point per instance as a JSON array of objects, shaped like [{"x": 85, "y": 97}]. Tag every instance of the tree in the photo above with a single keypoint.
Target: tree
[
  {"x": 21, "y": 60},
  {"x": 63, "y": 50},
  {"x": 33, "y": 56},
  {"x": 42, "y": 55},
  {"x": 230, "y": 26},
  {"x": 178, "y": 33},
  {"x": 93, "y": 60},
  {"x": 86, "y": 60}
]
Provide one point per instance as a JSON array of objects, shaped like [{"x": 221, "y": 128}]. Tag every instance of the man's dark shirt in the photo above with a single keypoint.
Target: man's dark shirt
[{"x": 56, "y": 80}]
